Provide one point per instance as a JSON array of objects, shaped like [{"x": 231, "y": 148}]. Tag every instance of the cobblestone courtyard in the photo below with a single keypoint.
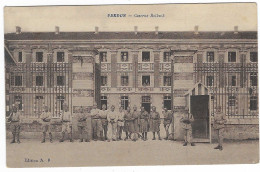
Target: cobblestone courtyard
[{"x": 127, "y": 153}]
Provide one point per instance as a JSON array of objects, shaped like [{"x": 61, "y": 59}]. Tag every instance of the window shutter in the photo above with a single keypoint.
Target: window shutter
[{"x": 12, "y": 80}]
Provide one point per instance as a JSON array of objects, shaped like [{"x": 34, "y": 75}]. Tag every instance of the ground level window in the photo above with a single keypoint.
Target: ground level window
[
  {"x": 103, "y": 101},
  {"x": 60, "y": 102},
  {"x": 124, "y": 102},
  {"x": 146, "y": 103},
  {"x": 39, "y": 103},
  {"x": 19, "y": 102},
  {"x": 253, "y": 103},
  {"x": 167, "y": 102}
]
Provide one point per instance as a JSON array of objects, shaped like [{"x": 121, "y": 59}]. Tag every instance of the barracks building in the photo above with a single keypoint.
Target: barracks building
[{"x": 194, "y": 69}]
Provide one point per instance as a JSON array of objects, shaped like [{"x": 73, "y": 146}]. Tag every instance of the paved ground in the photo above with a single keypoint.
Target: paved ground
[{"x": 128, "y": 153}]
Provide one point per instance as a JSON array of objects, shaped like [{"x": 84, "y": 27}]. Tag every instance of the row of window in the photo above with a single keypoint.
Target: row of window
[
  {"x": 232, "y": 56},
  {"x": 18, "y": 80},
  {"x": 146, "y": 101},
  {"x": 233, "y": 80},
  {"x": 167, "y": 80},
  {"x": 39, "y": 56}
]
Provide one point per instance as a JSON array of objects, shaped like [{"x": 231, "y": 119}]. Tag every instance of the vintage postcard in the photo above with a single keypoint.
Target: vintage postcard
[{"x": 130, "y": 85}]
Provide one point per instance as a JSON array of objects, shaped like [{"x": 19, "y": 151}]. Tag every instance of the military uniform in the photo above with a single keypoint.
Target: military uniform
[
  {"x": 186, "y": 121},
  {"x": 120, "y": 124},
  {"x": 144, "y": 117},
  {"x": 129, "y": 128},
  {"x": 14, "y": 118},
  {"x": 66, "y": 120},
  {"x": 103, "y": 117},
  {"x": 155, "y": 122},
  {"x": 167, "y": 122},
  {"x": 82, "y": 126},
  {"x": 96, "y": 124},
  {"x": 219, "y": 126},
  {"x": 112, "y": 124},
  {"x": 46, "y": 125},
  {"x": 135, "y": 115}
]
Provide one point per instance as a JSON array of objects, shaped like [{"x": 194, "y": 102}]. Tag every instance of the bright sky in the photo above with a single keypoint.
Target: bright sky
[{"x": 178, "y": 17}]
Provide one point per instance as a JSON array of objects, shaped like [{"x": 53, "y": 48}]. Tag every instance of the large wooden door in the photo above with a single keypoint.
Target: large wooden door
[{"x": 199, "y": 108}]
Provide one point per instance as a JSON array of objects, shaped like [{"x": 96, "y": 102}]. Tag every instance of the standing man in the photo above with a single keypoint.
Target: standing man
[
  {"x": 14, "y": 118},
  {"x": 144, "y": 118},
  {"x": 155, "y": 123},
  {"x": 219, "y": 125},
  {"x": 128, "y": 123},
  {"x": 96, "y": 123},
  {"x": 82, "y": 126},
  {"x": 135, "y": 115},
  {"x": 167, "y": 120},
  {"x": 112, "y": 117},
  {"x": 66, "y": 121},
  {"x": 120, "y": 122},
  {"x": 186, "y": 121},
  {"x": 103, "y": 117},
  {"x": 46, "y": 126}
]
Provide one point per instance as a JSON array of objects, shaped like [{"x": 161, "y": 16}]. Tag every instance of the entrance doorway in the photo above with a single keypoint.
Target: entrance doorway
[
  {"x": 199, "y": 108},
  {"x": 146, "y": 103}
]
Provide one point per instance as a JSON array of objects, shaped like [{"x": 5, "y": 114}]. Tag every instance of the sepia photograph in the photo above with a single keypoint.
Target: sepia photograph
[{"x": 131, "y": 85}]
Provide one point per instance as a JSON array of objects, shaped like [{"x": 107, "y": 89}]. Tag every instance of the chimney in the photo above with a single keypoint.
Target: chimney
[
  {"x": 136, "y": 30},
  {"x": 196, "y": 30},
  {"x": 96, "y": 30},
  {"x": 18, "y": 29},
  {"x": 57, "y": 30},
  {"x": 235, "y": 29},
  {"x": 156, "y": 30}
]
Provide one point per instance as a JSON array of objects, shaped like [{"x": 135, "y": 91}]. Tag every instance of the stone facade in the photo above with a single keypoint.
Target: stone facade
[{"x": 137, "y": 69}]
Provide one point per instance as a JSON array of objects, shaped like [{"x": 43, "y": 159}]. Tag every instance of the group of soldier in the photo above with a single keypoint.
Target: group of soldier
[{"x": 108, "y": 125}]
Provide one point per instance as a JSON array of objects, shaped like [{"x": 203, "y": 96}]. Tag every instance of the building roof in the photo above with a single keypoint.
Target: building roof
[{"x": 129, "y": 35}]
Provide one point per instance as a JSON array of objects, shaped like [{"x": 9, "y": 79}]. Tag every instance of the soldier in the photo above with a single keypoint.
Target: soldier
[
  {"x": 219, "y": 125},
  {"x": 155, "y": 123},
  {"x": 96, "y": 122},
  {"x": 128, "y": 123},
  {"x": 103, "y": 117},
  {"x": 66, "y": 121},
  {"x": 14, "y": 118},
  {"x": 135, "y": 115},
  {"x": 167, "y": 120},
  {"x": 186, "y": 121},
  {"x": 144, "y": 118},
  {"x": 112, "y": 117},
  {"x": 82, "y": 126},
  {"x": 46, "y": 126},
  {"x": 120, "y": 122}
]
